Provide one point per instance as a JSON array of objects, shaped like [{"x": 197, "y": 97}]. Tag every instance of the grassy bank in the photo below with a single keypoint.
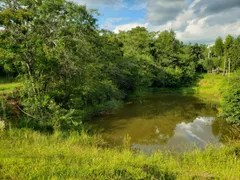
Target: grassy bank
[
  {"x": 7, "y": 85},
  {"x": 211, "y": 86},
  {"x": 7, "y": 88},
  {"x": 208, "y": 87},
  {"x": 25, "y": 154}
]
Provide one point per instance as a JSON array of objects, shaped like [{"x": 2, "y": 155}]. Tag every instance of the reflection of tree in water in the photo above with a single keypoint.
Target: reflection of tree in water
[
  {"x": 170, "y": 111},
  {"x": 225, "y": 131},
  {"x": 152, "y": 120}
]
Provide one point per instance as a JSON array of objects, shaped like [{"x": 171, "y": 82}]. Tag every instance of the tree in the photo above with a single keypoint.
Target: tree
[
  {"x": 235, "y": 57},
  {"x": 54, "y": 46},
  {"x": 219, "y": 47},
  {"x": 70, "y": 69},
  {"x": 167, "y": 47},
  {"x": 136, "y": 46},
  {"x": 228, "y": 45}
]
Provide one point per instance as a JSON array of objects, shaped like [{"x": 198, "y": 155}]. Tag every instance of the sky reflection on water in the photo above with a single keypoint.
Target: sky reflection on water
[{"x": 172, "y": 122}]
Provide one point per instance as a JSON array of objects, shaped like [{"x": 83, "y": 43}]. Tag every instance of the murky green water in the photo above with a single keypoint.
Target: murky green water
[{"x": 166, "y": 122}]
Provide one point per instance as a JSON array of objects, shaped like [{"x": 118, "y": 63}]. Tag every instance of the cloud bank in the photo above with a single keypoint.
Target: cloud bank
[{"x": 199, "y": 21}]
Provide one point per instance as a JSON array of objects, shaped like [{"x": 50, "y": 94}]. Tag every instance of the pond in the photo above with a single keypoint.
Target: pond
[{"x": 172, "y": 122}]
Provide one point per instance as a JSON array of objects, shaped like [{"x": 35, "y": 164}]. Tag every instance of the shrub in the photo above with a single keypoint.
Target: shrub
[{"x": 231, "y": 101}]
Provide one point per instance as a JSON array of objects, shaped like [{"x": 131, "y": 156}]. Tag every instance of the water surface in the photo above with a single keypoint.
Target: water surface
[{"x": 165, "y": 122}]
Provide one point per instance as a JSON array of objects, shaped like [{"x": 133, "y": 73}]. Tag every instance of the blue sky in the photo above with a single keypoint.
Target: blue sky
[
  {"x": 117, "y": 13},
  {"x": 111, "y": 18},
  {"x": 193, "y": 21}
]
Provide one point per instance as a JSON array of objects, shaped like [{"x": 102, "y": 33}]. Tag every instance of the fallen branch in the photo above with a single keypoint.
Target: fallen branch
[{"x": 25, "y": 112}]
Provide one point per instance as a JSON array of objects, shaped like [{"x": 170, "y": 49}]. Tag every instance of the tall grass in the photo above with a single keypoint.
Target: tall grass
[
  {"x": 25, "y": 154},
  {"x": 212, "y": 84}
]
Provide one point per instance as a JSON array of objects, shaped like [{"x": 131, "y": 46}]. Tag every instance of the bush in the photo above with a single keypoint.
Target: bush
[{"x": 231, "y": 101}]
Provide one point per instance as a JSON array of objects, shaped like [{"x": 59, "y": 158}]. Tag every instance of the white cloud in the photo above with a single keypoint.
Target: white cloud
[
  {"x": 161, "y": 11},
  {"x": 126, "y": 27},
  {"x": 199, "y": 31},
  {"x": 101, "y": 3},
  {"x": 208, "y": 7},
  {"x": 178, "y": 22},
  {"x": 194, "y": 21},
  {"x": 109, "y": 23},
  {"x": 202, "y": 21},
  {"x": 139, "y": 6}
]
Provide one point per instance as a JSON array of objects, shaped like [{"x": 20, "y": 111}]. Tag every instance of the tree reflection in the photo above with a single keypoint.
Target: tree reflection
[{"x": 165, "y": 120}]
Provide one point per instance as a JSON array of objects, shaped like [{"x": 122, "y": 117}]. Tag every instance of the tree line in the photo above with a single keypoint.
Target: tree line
[
  {"x": 224, "y": 55},
  {"x": 70, "y": 70}
]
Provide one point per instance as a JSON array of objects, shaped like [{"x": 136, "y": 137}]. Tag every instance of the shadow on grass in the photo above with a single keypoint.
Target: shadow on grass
[{"x": 188, "y": 88}]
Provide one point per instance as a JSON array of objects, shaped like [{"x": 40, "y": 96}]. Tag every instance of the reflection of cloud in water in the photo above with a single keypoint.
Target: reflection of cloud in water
[
  {"x": 197, "y": 131},
  {"x": 186, "y": 136}
]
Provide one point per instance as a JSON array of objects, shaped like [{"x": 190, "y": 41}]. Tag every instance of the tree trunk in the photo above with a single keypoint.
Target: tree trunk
[{"x": 224, "y": 68}]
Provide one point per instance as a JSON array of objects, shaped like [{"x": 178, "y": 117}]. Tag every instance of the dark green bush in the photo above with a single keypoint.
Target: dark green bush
[{"x": 231, "y": 101}]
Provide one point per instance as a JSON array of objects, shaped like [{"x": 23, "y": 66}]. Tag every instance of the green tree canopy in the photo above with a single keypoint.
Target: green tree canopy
[{"x": 219, "y": 47}]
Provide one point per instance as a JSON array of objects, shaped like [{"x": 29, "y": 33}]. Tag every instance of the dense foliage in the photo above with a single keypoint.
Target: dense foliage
[
  {"x": 70, "y": 69},
  {"x": 223, "y": 56},
  {"x": 231, "y": 101}
]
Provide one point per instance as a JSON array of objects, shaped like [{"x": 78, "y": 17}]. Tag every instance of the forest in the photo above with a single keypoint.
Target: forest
[{"x": 69, "y": 71}]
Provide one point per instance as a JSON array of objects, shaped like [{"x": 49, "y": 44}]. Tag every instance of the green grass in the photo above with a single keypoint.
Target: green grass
[
  {"x": 25, "y": 154},
  {"x": 7, "y": 85},
  {"x": 208, "y": 87},
  {"x": 211, "y": 84}
]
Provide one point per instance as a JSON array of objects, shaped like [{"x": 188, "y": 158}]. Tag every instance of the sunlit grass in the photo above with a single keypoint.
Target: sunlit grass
[
  {"x": 208, "y": 87},
  {"x": 7, "y": 86},
  {"x": 212, "y": 84},
  {"x": 25, "y": 154}
]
